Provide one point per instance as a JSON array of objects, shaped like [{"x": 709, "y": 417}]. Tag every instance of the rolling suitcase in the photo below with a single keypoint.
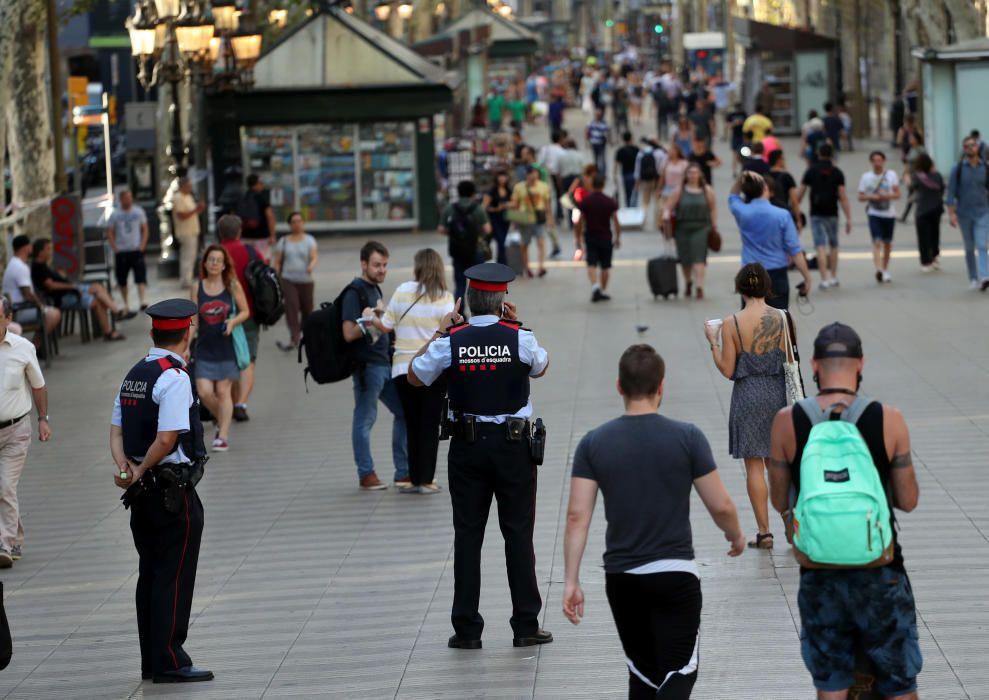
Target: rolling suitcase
[
  {"x": 662, "y": 272},
  {"x": 513, "y": 251},
  {"x": 632, "y": 217}
]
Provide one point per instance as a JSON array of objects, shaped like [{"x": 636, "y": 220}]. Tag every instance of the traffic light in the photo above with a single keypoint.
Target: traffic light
[{"x": 658, "y": 29}]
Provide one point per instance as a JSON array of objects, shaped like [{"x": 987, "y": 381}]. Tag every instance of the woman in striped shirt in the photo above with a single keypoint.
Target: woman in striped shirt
[{"x": 414, "y": 313}]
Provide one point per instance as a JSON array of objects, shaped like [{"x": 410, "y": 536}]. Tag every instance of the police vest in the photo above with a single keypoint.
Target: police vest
[
  {"x": 139, "y": 413},
  {"x": 486, "y": 376}
]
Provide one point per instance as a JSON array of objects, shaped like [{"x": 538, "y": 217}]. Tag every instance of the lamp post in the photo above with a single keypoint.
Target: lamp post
[{"x": 210, "y": 47}]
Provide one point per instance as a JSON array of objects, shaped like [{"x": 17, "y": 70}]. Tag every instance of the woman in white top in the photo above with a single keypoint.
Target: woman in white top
[
  {"x": 414, "y": 313},
  {"x": 295, "y": 259}
]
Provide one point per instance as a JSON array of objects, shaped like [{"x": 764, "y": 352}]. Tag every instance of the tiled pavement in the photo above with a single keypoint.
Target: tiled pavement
[{"x": 308, "y": 587}]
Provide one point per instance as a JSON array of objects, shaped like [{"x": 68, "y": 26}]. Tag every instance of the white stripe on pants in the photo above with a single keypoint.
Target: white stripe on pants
[{"x": 14, "y": 442}]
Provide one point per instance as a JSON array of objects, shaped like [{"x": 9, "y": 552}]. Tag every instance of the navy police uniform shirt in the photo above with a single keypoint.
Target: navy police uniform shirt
[
  {"x": 173, "y": 394},
  {"x": 438, "y": 358}
]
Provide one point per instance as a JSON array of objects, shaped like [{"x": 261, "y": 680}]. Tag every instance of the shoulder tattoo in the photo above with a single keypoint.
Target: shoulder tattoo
[
  {"x": 902, "y": 460},
  {"x": 767, "y": 336}
]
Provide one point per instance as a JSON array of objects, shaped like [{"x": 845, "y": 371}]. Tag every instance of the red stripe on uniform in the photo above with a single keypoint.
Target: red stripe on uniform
[
  {"x": 178, "y": 573},
  {"x": 164, "y": 363}
]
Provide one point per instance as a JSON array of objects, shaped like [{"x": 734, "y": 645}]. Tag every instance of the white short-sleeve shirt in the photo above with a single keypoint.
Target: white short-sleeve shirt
[
  {"x": 438, "y": 358},
  {"x": 173, "y": 394}
]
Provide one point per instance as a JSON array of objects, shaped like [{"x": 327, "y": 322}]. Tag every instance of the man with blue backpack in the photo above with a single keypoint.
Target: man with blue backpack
[{"x": 839, "y": 465}]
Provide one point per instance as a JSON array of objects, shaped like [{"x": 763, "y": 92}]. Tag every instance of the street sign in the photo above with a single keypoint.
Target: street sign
[
  {"x": 66, "y": 232},
  {"x": 140, "y": 116},
  {"x": 140, "y": 125}
]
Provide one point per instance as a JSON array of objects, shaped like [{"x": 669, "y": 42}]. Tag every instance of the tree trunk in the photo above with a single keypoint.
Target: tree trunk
[
  {"x": 6, "y": 41},
  {"x": 30, "y": 139},
  {"x": 965, "y": 19}
]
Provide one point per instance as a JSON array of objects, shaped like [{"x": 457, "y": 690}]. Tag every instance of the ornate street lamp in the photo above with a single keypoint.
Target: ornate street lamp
[
  {"x": 405, "y": 10},
  {"x": 382, "y": 11},
  {"x": 175, "y": 41}
]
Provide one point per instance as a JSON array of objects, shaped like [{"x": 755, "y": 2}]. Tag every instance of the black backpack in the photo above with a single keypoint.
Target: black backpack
[
  {"x": 647, "y": 167},
  {"x": 249, "y": 212},
  {"x": 266, "y": 290},
  {"x": 329, "y": 356},
  {"x": 462, "y": 233}
]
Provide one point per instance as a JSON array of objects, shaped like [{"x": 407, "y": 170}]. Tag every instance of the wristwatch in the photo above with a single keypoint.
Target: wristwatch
[{"x": 43, "y": 418}]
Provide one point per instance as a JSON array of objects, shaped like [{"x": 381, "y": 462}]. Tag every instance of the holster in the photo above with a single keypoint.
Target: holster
[{"x": 537, "y": 442}]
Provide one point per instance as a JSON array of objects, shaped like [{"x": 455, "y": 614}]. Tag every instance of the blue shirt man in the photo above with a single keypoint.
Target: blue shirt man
[
  {"x": 768, "y": 236},
  {"x": 968, "y": 208}
]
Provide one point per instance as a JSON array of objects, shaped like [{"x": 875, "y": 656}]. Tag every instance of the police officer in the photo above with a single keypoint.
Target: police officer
[
  {"x": 488, "y": 363},
  {"x": 156, "y": 440}
]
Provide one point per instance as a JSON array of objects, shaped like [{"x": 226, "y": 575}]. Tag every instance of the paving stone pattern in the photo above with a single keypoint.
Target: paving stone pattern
[{"x": 308, "y": 587}]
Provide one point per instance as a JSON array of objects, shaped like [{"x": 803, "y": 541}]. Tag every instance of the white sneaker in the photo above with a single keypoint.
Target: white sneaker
[
  {"x": 926, "y": 268},
  {"x": 835, "y": 283},
  {"x": 824, "y": 285},
  {"x": 973, "y": 285},
  {"x": 886, "y": 277}
]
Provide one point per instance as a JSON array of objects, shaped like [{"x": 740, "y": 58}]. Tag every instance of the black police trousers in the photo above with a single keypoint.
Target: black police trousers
[
  {"x": 493, "y": 466},
  {"x": 168, "y": 547}
]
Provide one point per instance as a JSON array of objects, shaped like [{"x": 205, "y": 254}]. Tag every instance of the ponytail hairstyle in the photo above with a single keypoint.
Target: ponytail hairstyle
[{"x": 753, "y": 282}]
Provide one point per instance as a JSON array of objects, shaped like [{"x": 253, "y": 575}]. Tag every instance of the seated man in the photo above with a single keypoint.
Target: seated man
[
  {"x": 66, "y": 294},
  {"x": 18, "y": 288}
]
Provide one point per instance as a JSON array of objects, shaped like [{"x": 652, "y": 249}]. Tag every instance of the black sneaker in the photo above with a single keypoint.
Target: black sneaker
[
  {"x": 240, "y": 414},
  {"x": 603, "y": 297},
  {"x": 597, "y": 295}
]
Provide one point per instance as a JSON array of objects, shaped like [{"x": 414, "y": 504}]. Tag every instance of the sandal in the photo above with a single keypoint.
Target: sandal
[
  {"x": 528, "y": 273},
  {"x": 542, "y": 272},
  {"x": 762, "y": 541},
  {"x": 700, "y": 293},
  {"x": 689, "y": 290},
  {"x": 115, "y": 335}
]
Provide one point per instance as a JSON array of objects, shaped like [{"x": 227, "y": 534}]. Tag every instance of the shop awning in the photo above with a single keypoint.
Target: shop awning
[
  {"x": 507, "y": 38},
  {"x": 969, "y": 50},
  {"x": 335, "y": 50}
]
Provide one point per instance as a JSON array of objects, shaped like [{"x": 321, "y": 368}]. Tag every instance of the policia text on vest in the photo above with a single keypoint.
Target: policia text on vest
[
  {"x": 156, "y": 439},
  {"x": 494, "y": 447}
]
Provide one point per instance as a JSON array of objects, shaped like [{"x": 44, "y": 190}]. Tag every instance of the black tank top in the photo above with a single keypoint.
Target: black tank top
[{"x": 870, "y": 424}]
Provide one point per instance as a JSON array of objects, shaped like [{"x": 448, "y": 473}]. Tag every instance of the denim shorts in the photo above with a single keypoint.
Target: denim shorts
[
  {"x": 881, "y": 228},
  {"x": 532, "y": 232},
  {"x": 871, "y": 611},
  {"x": 825, "y": 229}
]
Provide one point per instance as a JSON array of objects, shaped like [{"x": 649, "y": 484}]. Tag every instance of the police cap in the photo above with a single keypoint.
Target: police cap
[
  {"x": 489, "y": 277},
  {"x": 172, "y": 314}
]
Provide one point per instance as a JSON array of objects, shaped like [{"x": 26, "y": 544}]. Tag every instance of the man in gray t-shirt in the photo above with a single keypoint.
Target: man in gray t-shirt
[
  {"x": 645, "y": 466},
  {"x": 127, "y": 233}
]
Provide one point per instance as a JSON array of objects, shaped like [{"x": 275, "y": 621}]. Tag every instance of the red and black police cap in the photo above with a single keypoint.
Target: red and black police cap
[
  {"x": 172, "y": 314},
  {"x": 489, "y": 277}
]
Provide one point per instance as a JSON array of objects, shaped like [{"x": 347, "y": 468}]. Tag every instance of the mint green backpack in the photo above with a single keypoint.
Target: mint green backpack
[{"x": 842, "y": 514}]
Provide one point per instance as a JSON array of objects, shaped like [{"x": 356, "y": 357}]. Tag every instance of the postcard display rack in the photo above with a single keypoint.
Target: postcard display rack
[{"x": 337, "y": 174}]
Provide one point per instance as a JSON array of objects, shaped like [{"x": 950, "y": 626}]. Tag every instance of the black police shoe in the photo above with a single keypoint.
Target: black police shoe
[
  {"x": 540, "y": 637},
  {"x": 458, "y": 642},
  {"x": 186, "y": 674}
]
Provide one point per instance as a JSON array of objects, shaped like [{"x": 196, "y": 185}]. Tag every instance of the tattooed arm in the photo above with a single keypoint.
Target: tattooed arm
[
  {"x": 782, "y": 446},
  {"x": 902, "y": 475}
]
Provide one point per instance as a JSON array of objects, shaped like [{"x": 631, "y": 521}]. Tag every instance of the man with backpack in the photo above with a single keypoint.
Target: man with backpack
[
  {"x": 228, "y": 230},
  {"x": 464, "y": 222},
  {"x": 257, "y": 217},
  {"x": 826, "y": 183},
  {"x": 839, "y": 465},
  {"x": 968, "y": 209},
  {"x": 648, "y": 165},
  {"x": 372, "y": 379}
]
